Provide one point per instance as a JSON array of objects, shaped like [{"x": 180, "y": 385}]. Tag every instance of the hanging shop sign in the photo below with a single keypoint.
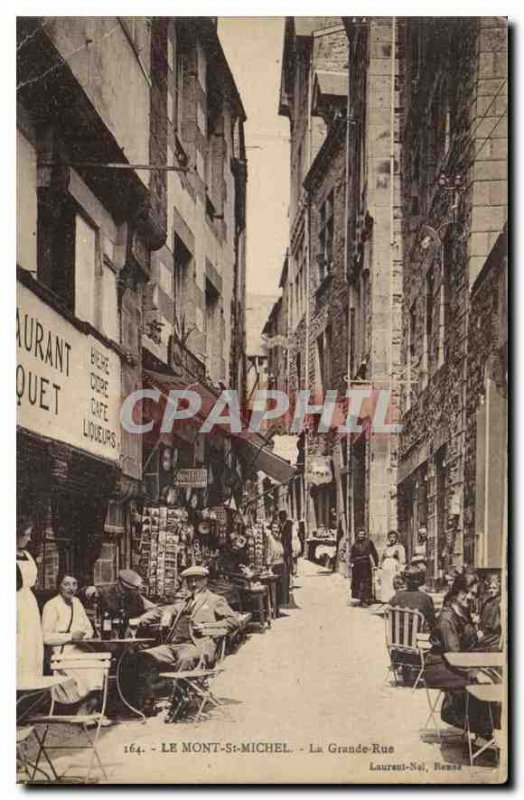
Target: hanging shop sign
[
  {"x": 319, "y": 471},
  {"x": 67, "y": 383},
  {"x": 190, "y": 478}
]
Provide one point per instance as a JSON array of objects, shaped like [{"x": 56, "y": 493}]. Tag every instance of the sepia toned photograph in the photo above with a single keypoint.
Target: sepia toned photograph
[{"x": 261, "y": 397}]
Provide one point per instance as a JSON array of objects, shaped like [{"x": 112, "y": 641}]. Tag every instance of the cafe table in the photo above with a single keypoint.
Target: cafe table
[
  {"x": 487, "y": 662},
  {"x": 120, "y": 648}
]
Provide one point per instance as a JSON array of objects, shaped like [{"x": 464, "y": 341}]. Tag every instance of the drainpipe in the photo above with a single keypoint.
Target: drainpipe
[
  {"x": 308, "y": 274},
  {"x": 349, "y": 471},
  {"x": 391, "y": 523}
]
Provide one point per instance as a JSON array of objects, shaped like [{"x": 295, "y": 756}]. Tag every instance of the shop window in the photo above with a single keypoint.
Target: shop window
[{"x": 325, "y": 237}]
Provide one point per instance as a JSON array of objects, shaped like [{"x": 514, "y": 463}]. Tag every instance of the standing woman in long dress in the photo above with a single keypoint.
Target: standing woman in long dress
[
  {"x": 29, "y": 640},
  {"x": 393, "y": 562}
]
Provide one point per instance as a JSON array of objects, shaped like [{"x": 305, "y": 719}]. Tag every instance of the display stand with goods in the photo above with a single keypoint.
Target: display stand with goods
[{"x": 165, "y": 548}]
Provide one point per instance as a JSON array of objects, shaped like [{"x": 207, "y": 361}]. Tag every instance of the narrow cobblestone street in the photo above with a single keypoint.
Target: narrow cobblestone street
[{"x": 315, "y": 680}]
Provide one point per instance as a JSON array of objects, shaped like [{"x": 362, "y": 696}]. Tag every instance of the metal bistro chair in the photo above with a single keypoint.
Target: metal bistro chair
[
  {"x": 491, "y": 694},
  {"x": 61, "y": 663},
  {"x": 403, "y": 628},
  {"x": 197, "y": 684}
]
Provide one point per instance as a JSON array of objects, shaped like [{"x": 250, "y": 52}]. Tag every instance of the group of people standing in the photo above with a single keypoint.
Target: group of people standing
[{"x": 375, "y": 577}]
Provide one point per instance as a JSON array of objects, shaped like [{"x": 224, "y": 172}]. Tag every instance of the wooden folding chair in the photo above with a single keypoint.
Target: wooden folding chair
[
  {"x": 403, "y": 627},
  {"x": 61, "y": 663},
  {"x": 197, "y": 684}
]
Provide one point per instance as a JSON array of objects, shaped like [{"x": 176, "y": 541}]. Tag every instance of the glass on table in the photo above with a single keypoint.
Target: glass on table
[{"x": 134, "y": 622}]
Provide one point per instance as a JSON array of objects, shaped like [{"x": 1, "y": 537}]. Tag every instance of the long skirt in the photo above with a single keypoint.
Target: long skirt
[
  {"x": 361, "y": 586},
  {"x": 387, "y": 573},
  {"x": 30, "y": 644}
]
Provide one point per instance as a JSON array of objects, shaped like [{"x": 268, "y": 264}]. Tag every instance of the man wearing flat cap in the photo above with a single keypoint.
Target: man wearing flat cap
[
  {"x": 125, "y": 596},
  {"x": 184, "y": 645}
]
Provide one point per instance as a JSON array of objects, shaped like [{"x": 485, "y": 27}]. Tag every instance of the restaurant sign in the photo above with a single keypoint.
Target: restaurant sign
[
  {"x": 190, "y": 478},
  {"x": 67, "y": 383}
]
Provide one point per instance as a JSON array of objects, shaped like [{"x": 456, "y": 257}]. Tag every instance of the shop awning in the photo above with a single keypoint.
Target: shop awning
[
  {"x": 263, "y": 459},
  {"x": 252, "y": 446}
]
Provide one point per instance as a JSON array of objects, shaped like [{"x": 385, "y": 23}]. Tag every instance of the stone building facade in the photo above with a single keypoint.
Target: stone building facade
[
  {"x": 454, "y": 201},
  {"x": 86, "y": 234},
  {"x": 197, "y": 290},
  {"x": 374, "y": 263},
  {"x": 312, "y": 96},
  {"x": 486, "y": 455},
  {"x": 123, "y": 271}
]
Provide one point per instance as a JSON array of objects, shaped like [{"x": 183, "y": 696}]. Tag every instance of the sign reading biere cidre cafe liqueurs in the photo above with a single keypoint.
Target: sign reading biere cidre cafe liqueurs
[{"x": 67, "y": 383}]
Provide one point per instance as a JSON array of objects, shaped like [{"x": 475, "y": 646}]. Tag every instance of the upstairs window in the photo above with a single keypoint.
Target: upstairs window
[
  {"x": 56, "y": 245},
  {"x": 86, "y": 270},
  {"x": 182, "y": 288},
  {"x": 175, "y": 62},
  {"x": 215, "y": 155},
  {"x": 325, "y": 237}
]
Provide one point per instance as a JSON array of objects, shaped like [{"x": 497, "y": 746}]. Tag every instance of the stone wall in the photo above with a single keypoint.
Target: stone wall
[{"x": 449, "y": 181}]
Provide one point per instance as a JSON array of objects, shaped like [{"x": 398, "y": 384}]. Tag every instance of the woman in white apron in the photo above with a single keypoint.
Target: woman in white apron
[
  {"x": 393, "y": 561},
  {"x": 65, "y": 623},
  {"x": 30, "y": 646}
]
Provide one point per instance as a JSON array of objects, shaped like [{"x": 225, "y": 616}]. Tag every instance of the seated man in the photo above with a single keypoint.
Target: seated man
[
  {"x": 183, "y": 647},
  {"x": 125, "y": 596}
]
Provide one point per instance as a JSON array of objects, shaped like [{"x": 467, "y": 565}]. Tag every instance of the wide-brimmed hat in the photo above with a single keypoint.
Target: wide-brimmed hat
[
  {"x": 130, "y": 579},
  {"x": 195, "y": 572}
]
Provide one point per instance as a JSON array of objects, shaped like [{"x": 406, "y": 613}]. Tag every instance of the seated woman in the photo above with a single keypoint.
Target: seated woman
[
  {"x": 413, "y": 597},
  {"x": 455, "y": 633},
  {"x": 65, "y": 624}
]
